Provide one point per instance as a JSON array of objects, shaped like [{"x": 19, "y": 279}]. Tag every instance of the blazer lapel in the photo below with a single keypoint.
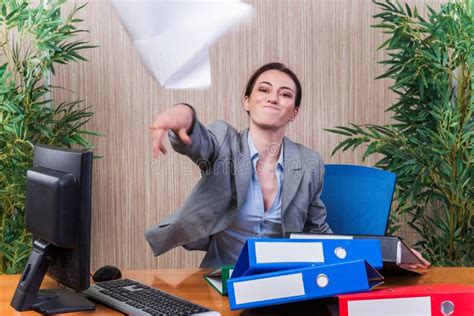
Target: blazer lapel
[
  {"x": 292, "y": 173},
  {"x": 242, "y": 168}
]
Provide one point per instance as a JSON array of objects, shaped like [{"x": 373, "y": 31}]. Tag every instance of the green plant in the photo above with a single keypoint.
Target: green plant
[
  {"x": 430, "y": 144},
  {"x": 33, "y": 38}
]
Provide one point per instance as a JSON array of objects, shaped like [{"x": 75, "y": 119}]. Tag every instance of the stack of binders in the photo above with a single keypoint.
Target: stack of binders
[{"x": 278, "y": 271}]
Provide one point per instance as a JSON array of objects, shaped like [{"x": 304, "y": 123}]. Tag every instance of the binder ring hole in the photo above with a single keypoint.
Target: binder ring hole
[
  {"x": 322, "y": 280},
  {"x": 340, "y": 252},
  {"x": 447, "y": 308}
]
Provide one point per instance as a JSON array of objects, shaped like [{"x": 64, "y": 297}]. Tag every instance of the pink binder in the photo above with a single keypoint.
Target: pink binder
[{"x": 420, "y": 300}]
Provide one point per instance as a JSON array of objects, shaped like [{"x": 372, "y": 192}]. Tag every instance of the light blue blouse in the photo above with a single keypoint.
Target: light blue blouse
[{"x": 250, "y": 222}]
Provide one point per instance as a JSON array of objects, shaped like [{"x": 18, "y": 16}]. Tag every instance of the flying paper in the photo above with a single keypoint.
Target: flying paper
[{"x": 173, "y": 37}]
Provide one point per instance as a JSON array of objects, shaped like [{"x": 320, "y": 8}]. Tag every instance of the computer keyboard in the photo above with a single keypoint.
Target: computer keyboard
[{"x": 134, "y": 298}]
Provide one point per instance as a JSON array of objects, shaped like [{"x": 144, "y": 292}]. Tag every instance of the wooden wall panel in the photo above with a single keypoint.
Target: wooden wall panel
[{"x": 328, "y": 43}]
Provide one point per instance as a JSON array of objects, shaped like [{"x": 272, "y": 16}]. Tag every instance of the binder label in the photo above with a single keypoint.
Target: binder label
[
  {"x": 264, "y": 289},
  {"x": 268, "y": 252},
  {"x": 415, "y": 306}
]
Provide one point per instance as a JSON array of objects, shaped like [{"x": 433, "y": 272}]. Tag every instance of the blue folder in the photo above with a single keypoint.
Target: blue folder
[
  {"x": 395, "y": 253},
  {"x": 274, "y": 254},
  {"x": 301, "y": 284}
]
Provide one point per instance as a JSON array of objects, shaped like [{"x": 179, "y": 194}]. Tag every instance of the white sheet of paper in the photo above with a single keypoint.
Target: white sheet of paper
[{"x": 173, "y": 37}]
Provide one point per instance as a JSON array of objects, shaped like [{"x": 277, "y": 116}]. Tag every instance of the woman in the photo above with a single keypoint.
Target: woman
[{"x": 255, "y": 183}]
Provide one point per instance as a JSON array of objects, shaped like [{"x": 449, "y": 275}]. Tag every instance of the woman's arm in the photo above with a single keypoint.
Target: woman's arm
[
  {"x": 187, "y": 135},
  {"x": 178, "y": 119}
]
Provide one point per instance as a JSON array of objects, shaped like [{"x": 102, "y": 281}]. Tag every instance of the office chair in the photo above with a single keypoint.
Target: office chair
[{"x": 358, "y": 199}]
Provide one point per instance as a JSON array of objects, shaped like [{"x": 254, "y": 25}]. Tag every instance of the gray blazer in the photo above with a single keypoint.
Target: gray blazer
[{"x": 223, "y": 156}]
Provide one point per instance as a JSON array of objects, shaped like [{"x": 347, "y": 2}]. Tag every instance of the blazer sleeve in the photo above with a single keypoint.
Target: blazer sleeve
[
  {"x": 205, "y": 143},
  {"x": 316, "y": 219}
]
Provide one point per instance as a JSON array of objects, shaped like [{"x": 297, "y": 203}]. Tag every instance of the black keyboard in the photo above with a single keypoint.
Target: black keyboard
[{"x": 134, "y": 298}]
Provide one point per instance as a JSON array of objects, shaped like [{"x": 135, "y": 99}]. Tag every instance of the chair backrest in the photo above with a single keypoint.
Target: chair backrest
[{"x": 358, "y": 199}]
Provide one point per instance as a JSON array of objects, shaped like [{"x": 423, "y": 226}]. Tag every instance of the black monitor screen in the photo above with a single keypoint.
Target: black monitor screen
[
  {"x": 72, "y": 266},
  {"x": 58, "y": 214}
]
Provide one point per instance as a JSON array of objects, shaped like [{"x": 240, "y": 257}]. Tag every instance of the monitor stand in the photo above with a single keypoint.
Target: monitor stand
[
  {"x": 58, "y": 301},
  {"x": 54, "y": 301}
]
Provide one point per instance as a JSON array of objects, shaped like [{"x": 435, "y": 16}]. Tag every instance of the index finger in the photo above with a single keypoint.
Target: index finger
[{"x": 157, "y": 139}]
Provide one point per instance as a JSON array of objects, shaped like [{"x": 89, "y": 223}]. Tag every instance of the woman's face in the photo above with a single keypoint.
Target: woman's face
[{"x": 271, "y": 104}]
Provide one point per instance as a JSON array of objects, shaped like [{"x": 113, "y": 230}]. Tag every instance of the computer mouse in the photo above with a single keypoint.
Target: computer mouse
[{"x": 107, "y": 273}]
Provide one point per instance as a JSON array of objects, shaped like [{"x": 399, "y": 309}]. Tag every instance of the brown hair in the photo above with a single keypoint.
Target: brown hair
[{"x": 275, "y": 66}]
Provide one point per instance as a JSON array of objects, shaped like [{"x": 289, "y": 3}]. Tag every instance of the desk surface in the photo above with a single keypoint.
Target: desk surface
[{"x": 189, "y": 284}]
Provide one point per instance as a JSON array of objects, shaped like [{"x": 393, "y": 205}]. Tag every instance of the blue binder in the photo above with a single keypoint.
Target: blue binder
[
  {"x": 301, "y": 284},
  {"x": 395, "y": 253},
  {"x": 273, "y": 254}
]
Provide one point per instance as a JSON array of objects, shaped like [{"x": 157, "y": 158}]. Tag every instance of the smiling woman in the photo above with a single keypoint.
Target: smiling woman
[
  {"x": 249, "y": 178},
  {"x": 271, "y": 104}
]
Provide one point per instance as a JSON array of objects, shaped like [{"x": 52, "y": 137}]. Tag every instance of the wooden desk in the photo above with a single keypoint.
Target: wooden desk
[{"x": 190, "y": 285}]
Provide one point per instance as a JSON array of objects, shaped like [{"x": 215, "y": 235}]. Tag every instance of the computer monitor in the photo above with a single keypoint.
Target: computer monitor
[{"x": 58, "y": 214}]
